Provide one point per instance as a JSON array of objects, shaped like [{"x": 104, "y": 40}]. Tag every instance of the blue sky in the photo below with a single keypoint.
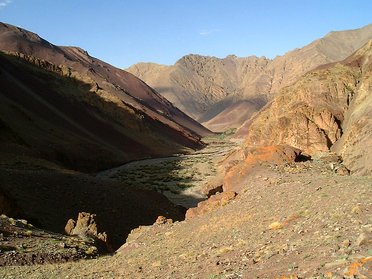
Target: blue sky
[{"x": 125, "y": 32}]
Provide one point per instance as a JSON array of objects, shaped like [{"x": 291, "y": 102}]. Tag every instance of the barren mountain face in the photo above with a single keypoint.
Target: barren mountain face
[
  {"x": 355, "y": 144},
  {"x": 217, "y": 91},
  {"x": 107, "y": 108},
  {"x": 327, "y": 108}
]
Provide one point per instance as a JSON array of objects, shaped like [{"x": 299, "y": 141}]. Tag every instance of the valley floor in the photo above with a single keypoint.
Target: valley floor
[
  {"x": 297, "y": 221},
  {"x": 182, "y": 178}
]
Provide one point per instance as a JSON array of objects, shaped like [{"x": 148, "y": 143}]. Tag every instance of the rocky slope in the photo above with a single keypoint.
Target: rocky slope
[
  {"x": 218, "y": 91},
  {"x": 328, "y": 108},
  {"x": 283, "y": 224}
]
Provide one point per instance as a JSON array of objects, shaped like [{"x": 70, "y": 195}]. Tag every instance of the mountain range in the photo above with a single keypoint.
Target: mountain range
[
  {"x": 100, "y": 163},
  {"x": 223, "y": 93}
]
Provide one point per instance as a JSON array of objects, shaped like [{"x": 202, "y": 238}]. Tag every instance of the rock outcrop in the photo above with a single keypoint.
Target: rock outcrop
[
  {"x": 306, "y": 115},
  {"x": 86, "y": 228},
  {"x": 355, "y": 144},
  {"x": 21, "y": 243},
  {"x": 163, "y": 220},
  {"x": 329, "y": 108}
]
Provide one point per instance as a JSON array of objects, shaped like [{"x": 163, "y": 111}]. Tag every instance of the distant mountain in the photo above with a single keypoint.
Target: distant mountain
[
  {"x": 222, "y": 93},
  {"x": 74, "y": 109},
  {"x": 329, "y": 108}
]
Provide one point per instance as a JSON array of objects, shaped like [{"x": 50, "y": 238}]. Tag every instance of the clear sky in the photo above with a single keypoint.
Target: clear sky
[{"x": 124, "y": 32}]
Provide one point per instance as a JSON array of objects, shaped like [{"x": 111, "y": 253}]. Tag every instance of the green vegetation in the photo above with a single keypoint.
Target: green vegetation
[
  {"x": 172, "y": 175},
  {"x": 179, "y": 173}
]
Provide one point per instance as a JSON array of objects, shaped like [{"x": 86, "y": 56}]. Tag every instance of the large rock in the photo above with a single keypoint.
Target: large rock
[
  {"x": 306, "y": 115},
  {"x": 86, "y": 227}
]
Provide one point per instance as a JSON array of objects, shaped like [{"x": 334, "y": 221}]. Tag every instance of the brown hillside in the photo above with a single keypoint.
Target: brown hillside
[
  {"x": 62, "y": 119},
  {"x": 328, "y": 108},
  {"x": 109, "y": 83},
  {"x": 62, "y": 110}
]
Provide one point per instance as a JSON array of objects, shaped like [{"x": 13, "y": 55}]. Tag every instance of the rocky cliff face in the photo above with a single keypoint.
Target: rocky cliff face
[
  {"x": 355, "y": 144},
  {"x": 209, "y": 88},
  {"x": 327, "y": 109}
]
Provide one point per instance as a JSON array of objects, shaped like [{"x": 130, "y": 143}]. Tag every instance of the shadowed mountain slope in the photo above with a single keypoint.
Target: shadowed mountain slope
[
  {"x": 62, "y": 113},
  {"x": 208, "y": 88},
  {"x": 63, "y": 96}
]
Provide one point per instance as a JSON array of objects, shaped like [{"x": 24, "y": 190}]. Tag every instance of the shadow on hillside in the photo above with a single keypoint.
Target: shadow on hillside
[
  {"x": 61, "y": 125},
  {"x": 175, "y": 177},
  {"x": 67, "y": 123},
  {"x": 50, "y": 198}
]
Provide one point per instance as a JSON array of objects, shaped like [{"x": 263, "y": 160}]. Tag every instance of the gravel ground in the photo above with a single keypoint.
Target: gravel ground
[{"x": 298, "y": 221}]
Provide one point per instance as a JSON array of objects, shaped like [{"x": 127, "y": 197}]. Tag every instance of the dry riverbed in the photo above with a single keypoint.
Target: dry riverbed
[{"x": 180, "y": 178}]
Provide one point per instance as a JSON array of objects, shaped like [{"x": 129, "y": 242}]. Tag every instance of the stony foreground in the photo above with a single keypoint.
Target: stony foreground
[{"x": 297, "y": 221}]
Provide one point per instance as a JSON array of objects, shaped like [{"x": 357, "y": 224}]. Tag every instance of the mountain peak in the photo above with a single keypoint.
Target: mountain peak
[
  {"x": 14, "y": 31},
  {"x": 195, "y": 58}
]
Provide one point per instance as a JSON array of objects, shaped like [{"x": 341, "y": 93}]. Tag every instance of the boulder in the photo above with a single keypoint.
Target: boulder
[
  {"x": 163, "y": 220},
  {"x": 86, "y": 228}
]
